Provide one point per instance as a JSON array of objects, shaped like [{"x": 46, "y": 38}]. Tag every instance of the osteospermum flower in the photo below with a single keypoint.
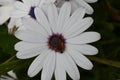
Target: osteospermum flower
[
  {"x": 26, "y": 7},
  {"x": 58, "y": 41},
  {"x": 11, "y": 76},
  {"x": 78, "y": 3},
  {"x": 6, "y": 9}
]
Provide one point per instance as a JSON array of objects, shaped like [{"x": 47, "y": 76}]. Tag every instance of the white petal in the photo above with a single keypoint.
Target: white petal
[
  {"x": 18, "y": 22},
  {"x": 37, "y": 64},
  {"x": 31, "y": 24},
  {"x": 5, "y": 13},
  {"x": 49, "y": 66},
  {"x": 91, "y": 1},
  {"x": 19, "y": 14},
  {"x": 44, "y": 8},
  {"x": 63, "y": 16},
  {"x": 89, "y": 9},
  {"x": 30, "y": 36},
  {"x": 5, "y": 78},
  {"x": 12, "y": 74},
  {"x": 74, "y": 5},
  {"x": 20, "y": 46},
  {"x": 6, "y": 2},
  {"x": 14, "y": 22},
  {"x": 78, "y": 27},
  {"x": 86, "y": 37},
  {"x": 80, "y": 60},
  {"x": 42, "y": 19},
  {"x": 21, "y": 6},
  {"x": 77, "y": 15},
  {"x": 84, "y": 49},
  {"x": 35, "y": 2},
  {"x": 52, "y": 16},
  {"x": 71, "y": 67},
  {"x": 60, "y": 73},
  {"x": 28, "y": 50},
  {"x": 27, "y": 2},
  {"x": 46, "y": 2},
  {"x": 11, "y": 25}
]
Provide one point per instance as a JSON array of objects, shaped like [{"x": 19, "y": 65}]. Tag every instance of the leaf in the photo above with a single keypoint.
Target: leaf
[{"x": 7, "y": 41}]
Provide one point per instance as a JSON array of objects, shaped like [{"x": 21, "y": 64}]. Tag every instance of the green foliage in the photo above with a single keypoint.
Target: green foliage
[{"x": 106, "y": 63}]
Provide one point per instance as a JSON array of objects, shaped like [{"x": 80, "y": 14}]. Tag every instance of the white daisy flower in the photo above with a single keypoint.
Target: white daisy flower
[
  {"x": 26, "y": 7},
  {"x": 78, "y": 3},
  {"x": 58, "y": 41},
  {"x": 11, "y": 76},
  {"x": 6, "y": 9}
]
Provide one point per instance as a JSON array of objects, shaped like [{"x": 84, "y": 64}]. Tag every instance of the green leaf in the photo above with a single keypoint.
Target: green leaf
[{"x": 7, "y": 41}]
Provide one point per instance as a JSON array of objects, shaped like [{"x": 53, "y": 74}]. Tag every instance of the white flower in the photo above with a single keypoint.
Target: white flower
[
  {"x": 6, "y": 9},
  {"x": 26, "y": 8},
  {"x": 11, "y": 76},
  {"x": 58, "y": 41},
  {"x": 78, "y": 3}
]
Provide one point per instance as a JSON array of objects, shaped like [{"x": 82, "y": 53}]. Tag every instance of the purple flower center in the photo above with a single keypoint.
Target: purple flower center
[
  {"x": 19, "y": 0},
  {"x": 67, "y": 0},
  {"x": 32, "y": 12},
  {"x": 56, "y": 42}
]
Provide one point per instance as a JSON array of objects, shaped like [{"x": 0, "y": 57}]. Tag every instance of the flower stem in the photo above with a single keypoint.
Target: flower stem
[
  {"x": 105, "y": 61},
  {"x": 9, "y": 59}
]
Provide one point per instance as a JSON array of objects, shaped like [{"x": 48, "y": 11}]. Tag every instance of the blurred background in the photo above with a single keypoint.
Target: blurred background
[{"x": 106, "y": 64}]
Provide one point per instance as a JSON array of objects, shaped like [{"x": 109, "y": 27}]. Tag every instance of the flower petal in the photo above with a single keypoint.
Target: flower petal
[
  {"x": 22, "y": 45},
  {"x": 84, "y": 49},
  {"x": 60, "y": 73},
  {"x": 42, "y": 19},
  {"x": 71, "y": 67},
  {"x": 5, "y": 14},
  {"x": 12, "y": 74},
  {"x": 30, "y": 36},
  {"x": 35, "y": 2},
  {"x": 52, "y": 16},
  {"x": 89, "y": 9},
  {"x": 32, "y": 24},
  {"x": 27, "y": 2},
  {"x": 91, "y": 1},
  {"x": 63, "y": 16},
  {"x": 19, "y": 14},
  {"x": 79, "y": 59},
  {"x": 11, "y": 25},
  {"x": 78, "y": 27},
  {"x": 74, "y": 6},
  {"x": 77, "y": 15},
  {"x": 49, "y": 66},
  {"x": 83, "y": 38},
  {"x": 46, "y": 2},
  {"x": 21, "y": 6},
  {"x": 29, "y": 53},
  {"x": 2, "y": 77},
  {"x": 37, "y": 64}
]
